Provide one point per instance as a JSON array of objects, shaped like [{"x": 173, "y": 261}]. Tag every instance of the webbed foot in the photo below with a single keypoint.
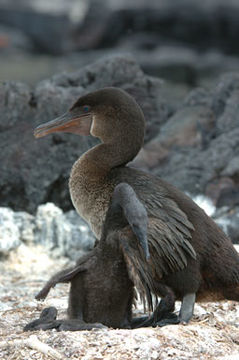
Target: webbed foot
[
  {"x": 45, "y": 322},
  {"x": 48, "y": 321}
]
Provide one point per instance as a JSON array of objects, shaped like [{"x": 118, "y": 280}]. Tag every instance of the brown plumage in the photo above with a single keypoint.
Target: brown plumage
[{"x": 190, "y": 255}]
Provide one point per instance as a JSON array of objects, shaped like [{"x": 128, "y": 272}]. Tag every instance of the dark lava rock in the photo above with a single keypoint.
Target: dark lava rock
[
  {"x": 199, "y": 144},
  {"x": 223, "y": 192},
  {"x": 12, "y": 40},
  {"x": 228, "y": 220},
  {"x": 203, "y": 24},
  {"x": 37, "y": 20},
  {"x": 80, "y": 24},
  {"x": 37, "y": 171}
]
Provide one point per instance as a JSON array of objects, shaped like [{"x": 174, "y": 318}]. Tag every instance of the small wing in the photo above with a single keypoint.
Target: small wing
[
  {"x": 169, "y": 248},
  {"x": 136, "y": 266},
  {"x": 60, "y": 277},
  {"x": 169, "y": 252},
  {"x": 134, "y": 212},
  {"x": 169, "y": 231},
  {"x": 169, "y": 241},
  {"x": 65, "y": 275}
]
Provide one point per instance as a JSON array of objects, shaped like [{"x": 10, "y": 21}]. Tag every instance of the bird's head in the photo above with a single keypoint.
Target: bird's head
[{"x": 106, "y": 114}]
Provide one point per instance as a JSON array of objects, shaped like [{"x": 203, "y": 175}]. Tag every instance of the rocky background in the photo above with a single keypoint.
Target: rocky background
[{"x": 180, "y": 60}]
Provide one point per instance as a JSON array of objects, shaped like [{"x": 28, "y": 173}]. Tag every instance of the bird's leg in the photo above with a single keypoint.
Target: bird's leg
[
  {"x": 164, "y": 309},
  {"x": 187, "y": 307},
  {"x": 163, "y": 312},
  {"x": 47, "y": 321},
  {"x": 61, "y": 277},
  {"x": 185, "y": 314}
]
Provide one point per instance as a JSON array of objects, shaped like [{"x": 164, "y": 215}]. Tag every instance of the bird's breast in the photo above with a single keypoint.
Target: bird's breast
[{"x": 90, "y": 197}]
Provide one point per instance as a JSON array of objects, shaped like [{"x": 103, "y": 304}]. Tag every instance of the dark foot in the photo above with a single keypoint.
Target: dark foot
[
  {"x": 49, "y": 313},
  {"x": 36, "y": 325},
  {"x": 46, "y": 320},
  {"x": 153, "y": 321},
  {"x": 146, "y": 323},
  {"x": 138, "y": 321},
  {"x": 164, "y": 310},
  {"x": 173, "y": 319}
]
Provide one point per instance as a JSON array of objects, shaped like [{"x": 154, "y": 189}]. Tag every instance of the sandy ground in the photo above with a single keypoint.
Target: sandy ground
[{"x": 213, "y": 332}]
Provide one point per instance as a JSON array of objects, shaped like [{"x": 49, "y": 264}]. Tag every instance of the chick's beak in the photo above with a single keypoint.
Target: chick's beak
[{"x": 68, "y": 122}]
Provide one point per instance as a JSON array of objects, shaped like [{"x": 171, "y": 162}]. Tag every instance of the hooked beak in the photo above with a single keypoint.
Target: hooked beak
[{"x": 76, "y": 124}]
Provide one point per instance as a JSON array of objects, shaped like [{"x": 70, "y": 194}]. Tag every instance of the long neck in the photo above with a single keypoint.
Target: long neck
[
  {"x": 99, "y": 160},
  {"x": 90, "y": 187}
]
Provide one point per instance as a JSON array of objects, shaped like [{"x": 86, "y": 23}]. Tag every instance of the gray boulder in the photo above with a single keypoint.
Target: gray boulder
[
  {"x": 228, "y": 220},
  {"x": 15, "y": 228},
  {"x": 198, "y": 147},
  {"x": 25, "y": 223},
  {"x": 38, "y": 19},
  {"x": 61, "y": 234},
  {"x": 13, "y": 41},
  {"x": 80, "y": 24},
  {"x": 202, "y": 23},
  {"x": 9, "y": 232}
]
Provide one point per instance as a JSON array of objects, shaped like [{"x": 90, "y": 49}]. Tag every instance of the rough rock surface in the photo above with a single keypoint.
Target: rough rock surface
[
  {"x": 67, "y": 235},
  {"x": 38, "y": 19},
  {"x": 202, "y": 24},
  {"x": 213, "y": 332},
  {"x": 228, "y": 220},
  {"x": 178, "y": 41},
  {"x": 91, "y": 24},
  {"x": 9, "y": 232},
  {"x": 226, "y": 217},
  {"x": 62, "y": 234},
  {"x": 199, "y": 144}
]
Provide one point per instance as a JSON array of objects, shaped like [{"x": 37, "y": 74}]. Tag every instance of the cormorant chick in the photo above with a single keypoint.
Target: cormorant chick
[{"x": 101, "y": 292}]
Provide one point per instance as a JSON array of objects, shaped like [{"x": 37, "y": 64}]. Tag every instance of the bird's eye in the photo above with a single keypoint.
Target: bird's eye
[{"x": 86, "y": 108}]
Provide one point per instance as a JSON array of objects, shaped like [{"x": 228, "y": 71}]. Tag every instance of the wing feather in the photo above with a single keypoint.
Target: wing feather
[{"x": 169, "y": 231}]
